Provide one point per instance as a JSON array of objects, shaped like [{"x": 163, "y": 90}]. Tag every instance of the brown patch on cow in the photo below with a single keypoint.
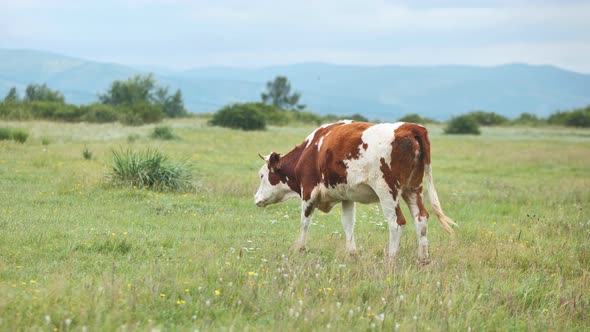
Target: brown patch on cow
[
  {"x": 308, "y": 210},
  {"x": 401, "y": 220},
  {"x": 410, "y": 151},
  {"x": 343, "y": 143},
  {"x": 340, "y": 142},
  {"x": 407, "y": 167},
  {"x": 286, "y": 172},
  {"x": 305, "y": 167},
  {"x": 274, "y": 162}
]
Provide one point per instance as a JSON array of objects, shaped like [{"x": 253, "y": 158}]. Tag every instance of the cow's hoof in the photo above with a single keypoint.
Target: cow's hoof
[
  {"x": 352, "y": 254},
  {"x": 302, "y": 249},
  {"x": 424, "y": 261}
]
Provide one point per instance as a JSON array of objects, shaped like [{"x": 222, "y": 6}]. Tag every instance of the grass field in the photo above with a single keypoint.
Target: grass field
[{"x": 77, "y": 254}]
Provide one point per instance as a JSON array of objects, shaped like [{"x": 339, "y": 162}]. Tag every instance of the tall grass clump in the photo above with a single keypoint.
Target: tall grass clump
[
  {"x": 150, "y": 169},
  {"x": 18, "y": 135},
  {"x": 163, "y": 133},
  {"x": 5, "y": 134},
  {"x": 86, "y": 153}
]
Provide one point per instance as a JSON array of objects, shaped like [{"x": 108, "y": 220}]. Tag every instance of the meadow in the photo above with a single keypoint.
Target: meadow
[{"x": 77, "y": 254}]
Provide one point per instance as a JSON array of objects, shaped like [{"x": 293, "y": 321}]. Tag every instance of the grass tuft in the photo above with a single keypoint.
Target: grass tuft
[
  {"x": 150, "y": 169},
  {"x": 163, "y": 133},
  {"x": 18, "y": 135},
  {"x": 86, "y": 153}
]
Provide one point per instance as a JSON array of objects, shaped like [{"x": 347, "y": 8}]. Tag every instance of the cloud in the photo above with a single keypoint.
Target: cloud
[{"x": 187, "y": 33}]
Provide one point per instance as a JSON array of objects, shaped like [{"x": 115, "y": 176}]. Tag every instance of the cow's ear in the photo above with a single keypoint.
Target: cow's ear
[{"x": 274, "y": 162}]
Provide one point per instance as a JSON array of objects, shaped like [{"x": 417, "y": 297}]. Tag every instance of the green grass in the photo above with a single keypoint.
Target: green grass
[
  {"x": 77, "y": 253},
  {"x": 150, "y": 169}
]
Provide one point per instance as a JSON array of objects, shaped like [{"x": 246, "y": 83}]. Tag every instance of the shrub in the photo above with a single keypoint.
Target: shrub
[
  {"x": 99, "y": 113},
  {"x": 358, "y": 117},
  {"x": 306, "y": 117},
  {"x": 163, "y": 132},
  {"x": 150, "y": 169},
  {"x": 14, "y": 111},
  {"x": 45, "y": 141},
  {"x": 579, "y": 118},
  {"x": 86, "y": 153},
  {"x": 463, "y": 124},
  {"x": 488, "y": 118},
  {"x": 240, "y": 116},
  {"x": 528, "y": 119},
  {"x": 5, "y": 134},
  {"x": 576, "y": 118},
  {"x": 20, "y": 135},
  {"x": 139, "y": 114},
  {"x": 416, "y": 118}
]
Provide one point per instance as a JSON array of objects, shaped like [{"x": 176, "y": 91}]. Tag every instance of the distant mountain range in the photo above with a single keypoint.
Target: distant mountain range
[{"x": 377, "y": 92}]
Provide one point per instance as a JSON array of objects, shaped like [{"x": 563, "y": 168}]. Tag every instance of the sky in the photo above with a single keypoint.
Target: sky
[{"x": 183, "y": 34}]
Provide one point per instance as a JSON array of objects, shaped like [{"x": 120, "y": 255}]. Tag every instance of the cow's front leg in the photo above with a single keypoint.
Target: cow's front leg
[
  {"x": 306, "y": 212},
  {"x": 348, "y": 220}
]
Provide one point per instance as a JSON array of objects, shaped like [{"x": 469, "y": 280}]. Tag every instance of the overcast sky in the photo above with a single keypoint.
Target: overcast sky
[{"x": 183, "y": 34}]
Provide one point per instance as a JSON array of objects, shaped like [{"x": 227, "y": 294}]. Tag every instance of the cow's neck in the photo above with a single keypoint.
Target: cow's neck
[{"x": 288, "y": 165}]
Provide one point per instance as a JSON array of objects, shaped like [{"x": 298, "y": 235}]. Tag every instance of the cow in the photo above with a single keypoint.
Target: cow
[{"x": 347, "y": 162}]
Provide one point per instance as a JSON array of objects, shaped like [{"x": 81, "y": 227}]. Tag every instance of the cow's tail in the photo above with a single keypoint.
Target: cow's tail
[{"x": 445, "y": 222}]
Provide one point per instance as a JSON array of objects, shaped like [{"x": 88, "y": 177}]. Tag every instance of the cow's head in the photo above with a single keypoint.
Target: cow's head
[{"x": 273, "y": 182}]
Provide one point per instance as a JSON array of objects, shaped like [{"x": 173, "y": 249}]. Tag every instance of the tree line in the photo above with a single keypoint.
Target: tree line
[
  {"x": 140, "y": 100},
  {"x": 279, "y": 106},
  {"x": 134, "y": 101}
]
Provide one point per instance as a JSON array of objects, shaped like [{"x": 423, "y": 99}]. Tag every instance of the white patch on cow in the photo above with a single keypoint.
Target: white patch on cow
[
  {"x": 367, "y": 168},
  {"x": 310, "y": 137},
  {"x": 321, "y": 141},
  {"x": 270, "y": 194}
]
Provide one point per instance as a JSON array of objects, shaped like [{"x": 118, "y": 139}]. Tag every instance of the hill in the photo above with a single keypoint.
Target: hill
[{"x": 378, "y": 92}]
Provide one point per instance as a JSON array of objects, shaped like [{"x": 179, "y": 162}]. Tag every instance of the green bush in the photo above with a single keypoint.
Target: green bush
[
  {"x": 163, "y": 132},
  {"x": 5, "y": 134},
  {"x": 139, "y": 114},
  {"x": 579, "y": 118},
  {"x": 18, "y": 135},
  {"x": 306, "y": 117},
  {"x": 528, "y": 119},
  {"x": 463, "y": 124},
  {"x": 240, "y": 116},
  {"x": 416, "y": 118},
  {"x": 98, "y": 113},
  {"x": 358, "y": 117},
  {"x": 150, "y": 169},
  {"x": 14, "y": 111},
  {"x": 86, "y": 153},
  {"x": 488, "y": 118},
  {"x": 576, "y": 118}
]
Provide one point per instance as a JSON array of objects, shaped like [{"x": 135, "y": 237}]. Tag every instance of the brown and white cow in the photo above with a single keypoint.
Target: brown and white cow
[{"x": 361, "y": 162}]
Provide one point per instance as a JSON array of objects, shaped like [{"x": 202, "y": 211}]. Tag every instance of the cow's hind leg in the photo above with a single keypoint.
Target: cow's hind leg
[
  {"x": 394, "y": 217},
  {"x": 414, "y": 200},
  {"x": 348, "y": 220}
]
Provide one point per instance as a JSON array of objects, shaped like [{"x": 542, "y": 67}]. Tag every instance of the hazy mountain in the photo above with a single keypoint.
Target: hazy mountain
[{"x": 378, "y": 92}]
